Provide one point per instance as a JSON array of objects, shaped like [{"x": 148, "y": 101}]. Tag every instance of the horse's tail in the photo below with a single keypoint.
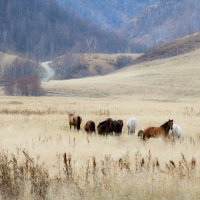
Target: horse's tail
[{"x": 78, "y": 122}]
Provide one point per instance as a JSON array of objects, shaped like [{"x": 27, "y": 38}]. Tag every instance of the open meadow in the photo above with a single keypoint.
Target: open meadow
[
  {"x": 41, "y": 158},
  {"x": 101, "y": 167}
]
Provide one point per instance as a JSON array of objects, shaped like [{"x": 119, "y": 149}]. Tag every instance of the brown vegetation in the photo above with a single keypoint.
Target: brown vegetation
[{"x": 21, "y": 78}]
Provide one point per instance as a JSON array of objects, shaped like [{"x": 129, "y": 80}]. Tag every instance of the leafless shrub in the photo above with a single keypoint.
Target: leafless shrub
[
  {"x": 21, "y": 78},
  {"x": 123, "y": 61}
]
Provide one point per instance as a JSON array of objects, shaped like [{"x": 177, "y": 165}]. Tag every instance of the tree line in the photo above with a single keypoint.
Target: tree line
[{"x": 21, "y": 77}]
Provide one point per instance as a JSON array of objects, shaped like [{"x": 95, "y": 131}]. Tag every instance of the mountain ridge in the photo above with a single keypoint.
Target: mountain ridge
[
  {"x": 162, "y": 23},
  {"x": 107, "y": 14}
]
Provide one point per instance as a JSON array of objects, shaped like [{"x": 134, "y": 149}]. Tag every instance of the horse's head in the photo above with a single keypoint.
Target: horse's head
[{"x": 170, "y": 124}]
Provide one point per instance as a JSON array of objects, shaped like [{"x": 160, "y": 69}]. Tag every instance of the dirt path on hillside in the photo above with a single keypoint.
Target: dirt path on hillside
[{"x": 49, "y": 71}]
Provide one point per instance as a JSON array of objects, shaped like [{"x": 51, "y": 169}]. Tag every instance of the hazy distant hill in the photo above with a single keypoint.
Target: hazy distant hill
[
  {"x": 43, "y": 29},
  {"x": 107, "y": 13},
  {"x": 163, "y": 22}
]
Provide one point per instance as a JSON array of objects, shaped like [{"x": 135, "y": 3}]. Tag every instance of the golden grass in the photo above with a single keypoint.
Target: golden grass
[
  {"x": 97, "y": 167},
  {"x": 73, "y": 165}
]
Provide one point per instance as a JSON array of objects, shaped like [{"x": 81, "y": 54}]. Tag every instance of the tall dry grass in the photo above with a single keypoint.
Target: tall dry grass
[{"x": 42, "y": 159}]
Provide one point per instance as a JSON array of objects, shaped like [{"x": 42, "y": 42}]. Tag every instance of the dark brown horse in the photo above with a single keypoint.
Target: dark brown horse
[
  {"x": 75, "y": 121},
  {"x": 140, "y": 134},
  {"x": 163, "y": 130},
  {"x": 105, "y": 128},
  {"x": 90, "y": 127},
  {"x": 116, "y": 126}
]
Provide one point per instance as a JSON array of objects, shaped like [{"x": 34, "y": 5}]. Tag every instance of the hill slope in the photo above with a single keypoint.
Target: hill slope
[
  {"x": 43, "y": 29},
  {"x": 163, "y": 80},
  {"x": 71, "y": 65},
  {"x": 110, "y": 14},
  {"x": 163, "y": 22},
  {"x": 180, "y": 46}
]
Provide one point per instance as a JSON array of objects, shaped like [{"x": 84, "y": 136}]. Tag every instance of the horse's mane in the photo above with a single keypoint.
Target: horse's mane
[{"x": 165, "y": 126}]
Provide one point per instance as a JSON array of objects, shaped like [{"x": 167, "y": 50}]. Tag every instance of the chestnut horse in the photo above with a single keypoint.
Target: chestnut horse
[
  {"x": 75, "y": 121},
  {"x": 90, "y": 127},
  {"x": 163, "y": 130}
]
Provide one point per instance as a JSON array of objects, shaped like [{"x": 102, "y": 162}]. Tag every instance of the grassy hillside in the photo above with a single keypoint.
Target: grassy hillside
[
  {"x": 159, "y": 80},
  {"x": 81, "y": 65},
  {"x": 6, "y": 58},
  {"x": 177, "y": 47}
]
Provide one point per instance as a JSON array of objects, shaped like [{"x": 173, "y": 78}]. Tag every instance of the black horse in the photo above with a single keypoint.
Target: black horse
[
  {"x": 105, "y": 128},
  {"x": 116, "y": 126}
]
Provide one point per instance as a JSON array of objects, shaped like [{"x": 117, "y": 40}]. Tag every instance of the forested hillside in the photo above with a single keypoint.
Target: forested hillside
[
  {"x": 163, "y": 22},
  {"x": 43, "y": 29},
  {"x": 110, "y": 14}
]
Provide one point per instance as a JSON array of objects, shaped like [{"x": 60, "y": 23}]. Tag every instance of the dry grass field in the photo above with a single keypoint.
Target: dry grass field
[{"x": 35, "y": 135}]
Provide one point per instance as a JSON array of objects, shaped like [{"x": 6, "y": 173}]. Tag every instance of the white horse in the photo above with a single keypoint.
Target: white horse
[
  {"x": 176, "y": 131},
  {"x": 131, "y": 125}
]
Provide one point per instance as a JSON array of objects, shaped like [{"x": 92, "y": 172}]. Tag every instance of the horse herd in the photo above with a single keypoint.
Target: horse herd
[{"x": 110, "y": 127}]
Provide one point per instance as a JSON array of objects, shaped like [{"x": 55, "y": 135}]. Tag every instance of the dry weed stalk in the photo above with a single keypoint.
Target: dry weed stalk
[
  {"x": 68, "y": 168},
  {"x": 15, "y": 178}
]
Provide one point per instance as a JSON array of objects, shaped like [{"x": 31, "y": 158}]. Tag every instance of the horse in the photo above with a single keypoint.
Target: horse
[
  {"x": 176, "y": 131},
  {"x": 163, "y": 130},
  {"x": 116, "y": 126},
  {"x": 140, "y": 134},
  {"x": 131, "y": 125},
  {"x": 75, "y": 121},
  {"x": 90, "y": 127},
  {"x": 105, "y": 128}
]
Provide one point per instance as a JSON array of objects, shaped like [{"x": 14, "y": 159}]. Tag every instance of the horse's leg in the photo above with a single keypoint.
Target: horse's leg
[{"x": 144, "y": 136}]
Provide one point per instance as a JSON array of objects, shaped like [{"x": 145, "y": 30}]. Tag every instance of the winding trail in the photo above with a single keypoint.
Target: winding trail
[{"x": 49, "y": 72}]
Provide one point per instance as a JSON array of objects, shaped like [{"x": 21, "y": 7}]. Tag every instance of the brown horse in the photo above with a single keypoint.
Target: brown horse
[
  {"x": 90, "y": 127},
  {"x": 163, "y": 130},
  {"x": 75, "y": 121}
]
